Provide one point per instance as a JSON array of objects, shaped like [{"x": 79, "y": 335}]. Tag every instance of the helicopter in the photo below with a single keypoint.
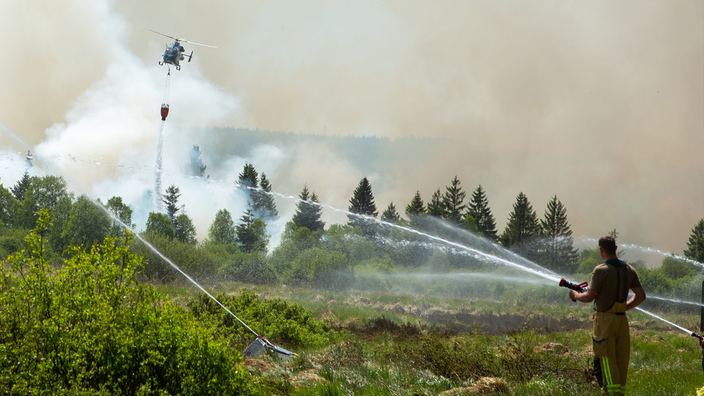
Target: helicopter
[{"x": 174, "y": 52}]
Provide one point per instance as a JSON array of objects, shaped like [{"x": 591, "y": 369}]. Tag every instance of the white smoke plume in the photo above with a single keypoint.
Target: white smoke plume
[{"x": 599, "y": 103}]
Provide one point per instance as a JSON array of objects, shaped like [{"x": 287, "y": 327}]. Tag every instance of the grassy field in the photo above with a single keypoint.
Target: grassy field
[{"x": 423, "y": 344}]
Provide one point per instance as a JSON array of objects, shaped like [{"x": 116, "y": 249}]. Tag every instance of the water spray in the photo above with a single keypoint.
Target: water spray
[{"x": 259, "y": 345}]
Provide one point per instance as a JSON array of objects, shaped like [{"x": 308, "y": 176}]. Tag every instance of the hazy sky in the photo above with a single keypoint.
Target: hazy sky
[{"x": 600, "y": 103}]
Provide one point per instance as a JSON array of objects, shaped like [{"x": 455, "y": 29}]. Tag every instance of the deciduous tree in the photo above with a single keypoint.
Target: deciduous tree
[
  {"x": 87, "y": 223},
  {"x": 184, "y": 230},
  {"x": 122, "y": 212},
  {"x": 222, "y": 230},
  {"x": 160, "y": 223}
]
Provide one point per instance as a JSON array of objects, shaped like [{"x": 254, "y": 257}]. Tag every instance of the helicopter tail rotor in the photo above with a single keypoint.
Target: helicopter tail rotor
[{"x": 190, "y": 57}]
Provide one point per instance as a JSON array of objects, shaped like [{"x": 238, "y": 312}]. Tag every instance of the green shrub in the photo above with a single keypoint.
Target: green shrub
[
  {"x": 197, "y": 261},
  {"x": 279, "y": 321},
  {"x": 319, "y": 268},
  {"x": 249, "y": 268},
  {"x": 90, "y": 328}
]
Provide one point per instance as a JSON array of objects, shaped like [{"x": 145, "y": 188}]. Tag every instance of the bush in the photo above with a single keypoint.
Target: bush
[
  {"x": 249, "y": 268},
  {"x": 279, "y": 321},
  {"x": 197, "y": 261},
  {"x": 319, "y": 268},
  {"x": 90, "y": 328}
]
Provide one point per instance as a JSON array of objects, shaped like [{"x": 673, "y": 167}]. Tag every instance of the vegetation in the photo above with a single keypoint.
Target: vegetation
[{"x": 370, "y": 308}]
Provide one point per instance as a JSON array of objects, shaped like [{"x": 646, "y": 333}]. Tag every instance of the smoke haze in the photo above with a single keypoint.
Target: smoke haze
[{"x": 600, "y": 103}]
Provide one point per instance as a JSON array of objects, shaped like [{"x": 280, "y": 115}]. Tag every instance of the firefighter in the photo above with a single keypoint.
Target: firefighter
[{"x": 609, "y": 288}]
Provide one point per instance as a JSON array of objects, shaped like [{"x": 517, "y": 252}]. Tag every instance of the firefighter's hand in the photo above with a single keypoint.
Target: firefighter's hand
[{"x": 573, "y": 295}]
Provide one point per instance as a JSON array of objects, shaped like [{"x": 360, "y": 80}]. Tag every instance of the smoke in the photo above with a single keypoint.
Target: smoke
[{"x": 598, "y": 103}]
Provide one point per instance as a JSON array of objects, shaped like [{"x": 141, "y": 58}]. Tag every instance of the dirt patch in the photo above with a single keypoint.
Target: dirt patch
[
  {"x": 553, "y": 347},
  {"x": 501, "y": 323},
  {"x": 258, "y": 365},
  {"x": 483, "y": 386},
  {"x": 307, "y": 378},
  {"x": 331, "y": 320}
]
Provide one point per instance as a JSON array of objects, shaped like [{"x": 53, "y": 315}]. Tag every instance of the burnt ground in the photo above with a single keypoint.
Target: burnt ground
[{"x": 457, "y": 322}]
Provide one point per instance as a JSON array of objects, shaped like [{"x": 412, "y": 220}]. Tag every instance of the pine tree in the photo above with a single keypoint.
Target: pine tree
[
  {"x": 222, "y": 230},
  {"x": 171, "y": 201},
  {"x": 452, "y": 201},
  {"x": 248, "y": 182},
  {"x": 251, "y": 233},
  {"x": 695, "y": 244},
  {"x": 390, "y": 215},
  {"x": 480, "y": 212},
  {"x": 559, "y": 253},
  {"x": 522, "y": 228},
  {"x": 264, "y": 206},
  {"x": 416, "y": 206},
  {"x": 21, "y": 187},
  {"x": 362, "y": 202},
  {"x": 307, "y": 213},
  {"x": 435, "y": 206},
  {"x": 196, "y": 167}
]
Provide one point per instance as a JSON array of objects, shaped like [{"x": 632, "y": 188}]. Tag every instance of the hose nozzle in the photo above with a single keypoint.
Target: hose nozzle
[{"x": 582, "y": 287}]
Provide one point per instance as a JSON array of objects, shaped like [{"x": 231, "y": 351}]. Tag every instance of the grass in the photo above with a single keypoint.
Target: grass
[{"x": 385, "y": 352}]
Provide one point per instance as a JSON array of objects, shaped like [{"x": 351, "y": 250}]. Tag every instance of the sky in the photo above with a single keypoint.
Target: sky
[{"x": 600, "y": 103}]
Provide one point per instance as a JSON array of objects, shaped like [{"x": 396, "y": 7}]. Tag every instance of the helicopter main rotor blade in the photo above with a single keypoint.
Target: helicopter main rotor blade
[
  {"x": 173, "y": 38},
  {"x": 191, "y": 42}
]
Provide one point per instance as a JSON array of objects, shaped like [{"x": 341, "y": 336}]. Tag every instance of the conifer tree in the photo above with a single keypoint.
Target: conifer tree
[
  {"x": 362, "y": 202},
  {"x": 558, "y": 253},
  {"x": 222, "y": 230},
  {"x": 171, "y": 201},
  {"x": 695, "y": 244},
  {"x": 251, "y": 233},
  {"x": 453, "y": 201},
  {"x": 247, "y": 182},
  {"x": 435, "y": 206},
  {"x": 522, "y": 228},
  {"x": 264, "y": 206},
  {"x": 416, "y": 206},
  {"x": 22, "y": 185},
  {"x": 390, "y": 215},
  {"x": 480, "y": 212},
  {"x": 196, "y": 167},
  {"x": 307, "y": 213}
]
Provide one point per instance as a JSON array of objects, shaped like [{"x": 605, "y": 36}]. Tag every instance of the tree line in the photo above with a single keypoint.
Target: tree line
[{"x": 309, "y": 253}]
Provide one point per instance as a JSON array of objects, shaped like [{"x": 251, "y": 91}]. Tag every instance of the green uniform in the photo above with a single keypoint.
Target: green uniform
[{"x": 612, "y": 341}]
